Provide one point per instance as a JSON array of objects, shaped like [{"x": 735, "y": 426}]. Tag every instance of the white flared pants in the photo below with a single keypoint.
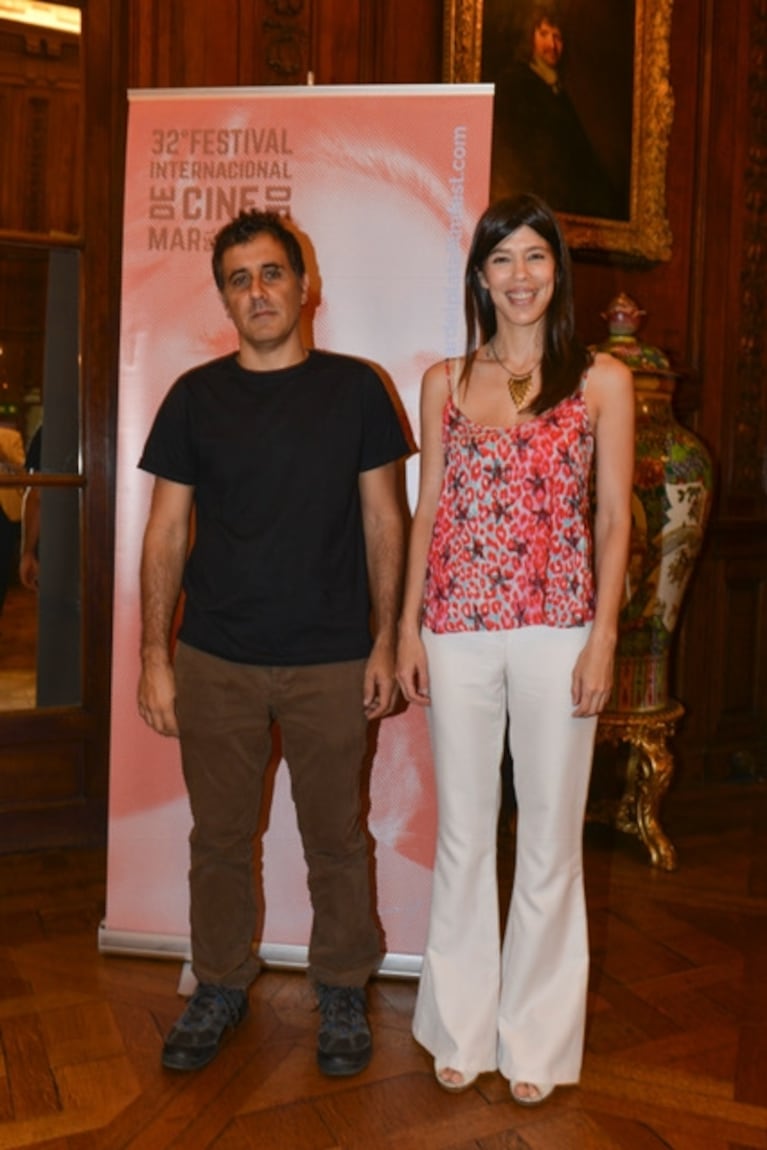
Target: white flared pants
[{"x": 521, "y": 1009}]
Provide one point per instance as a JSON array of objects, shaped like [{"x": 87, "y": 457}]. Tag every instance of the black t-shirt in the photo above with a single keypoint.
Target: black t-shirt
[{"x": 277, "y": 572}]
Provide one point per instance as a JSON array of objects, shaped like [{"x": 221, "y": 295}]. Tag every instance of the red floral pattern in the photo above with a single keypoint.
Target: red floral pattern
[{"x": 511, "y": 545}]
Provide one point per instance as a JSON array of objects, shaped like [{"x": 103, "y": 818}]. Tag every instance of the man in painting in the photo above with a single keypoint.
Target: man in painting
[{"x": 540, "y": 143}]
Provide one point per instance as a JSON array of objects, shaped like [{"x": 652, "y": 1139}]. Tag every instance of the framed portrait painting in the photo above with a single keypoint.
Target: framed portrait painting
[{"x": 582, "y": 113}]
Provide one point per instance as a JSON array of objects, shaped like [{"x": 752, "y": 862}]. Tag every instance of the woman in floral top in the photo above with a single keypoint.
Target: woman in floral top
[{"x": 510, "y": 616}]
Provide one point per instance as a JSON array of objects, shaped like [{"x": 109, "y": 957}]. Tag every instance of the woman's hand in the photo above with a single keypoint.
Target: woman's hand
[
  {"x": 412, "y": 669},
  {"x": 592, "y": 681}
]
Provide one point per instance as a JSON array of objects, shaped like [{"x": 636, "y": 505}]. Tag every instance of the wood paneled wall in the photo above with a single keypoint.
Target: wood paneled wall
[
  {"x": 705, "y": 307},
  {"x": 40, "y": 114},
  {"x": 186, "y": 44},
  {"x": 722, "y": 655},
  {"x": 41, "y": 192}
]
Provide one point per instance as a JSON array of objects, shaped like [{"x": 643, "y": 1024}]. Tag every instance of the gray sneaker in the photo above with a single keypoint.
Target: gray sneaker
[
  {"x": 196, "y": 1038},
  {"x": 344, "y": 1043}
]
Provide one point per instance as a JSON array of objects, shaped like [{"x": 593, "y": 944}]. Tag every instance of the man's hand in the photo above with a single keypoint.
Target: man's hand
[
  {"x": 380, "y": 689},
  {"x": 29, "y": 570},
  {"x": 157, "y": 697}
]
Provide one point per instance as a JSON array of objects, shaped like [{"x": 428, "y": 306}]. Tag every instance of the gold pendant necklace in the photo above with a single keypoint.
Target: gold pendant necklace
[{"x": 519, "y": 386}]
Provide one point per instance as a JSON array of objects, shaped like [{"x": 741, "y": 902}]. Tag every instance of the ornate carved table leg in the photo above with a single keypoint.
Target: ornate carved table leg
[
  {"x": 649, "y": 771},
  {"x": 626, "y": 813},
  {"x": 656, "y": 767}
]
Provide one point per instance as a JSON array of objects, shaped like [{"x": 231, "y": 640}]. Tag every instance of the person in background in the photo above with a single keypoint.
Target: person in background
[
  {"x": 289, "y": 458},
  {"x": 510, "y": 616},
  {"x": 11, "y": 464},
  {"x": 29, "y": 559}
]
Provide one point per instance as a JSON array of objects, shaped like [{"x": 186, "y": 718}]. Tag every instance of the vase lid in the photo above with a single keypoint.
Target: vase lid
[{"x": 624, "y": 318}]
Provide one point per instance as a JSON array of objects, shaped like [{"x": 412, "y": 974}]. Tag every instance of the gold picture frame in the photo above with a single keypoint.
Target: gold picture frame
[{"x": 641, "y": 231}]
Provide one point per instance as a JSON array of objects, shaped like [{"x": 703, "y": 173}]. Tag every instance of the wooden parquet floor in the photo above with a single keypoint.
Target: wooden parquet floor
[{"x": 676, "y": 1045}]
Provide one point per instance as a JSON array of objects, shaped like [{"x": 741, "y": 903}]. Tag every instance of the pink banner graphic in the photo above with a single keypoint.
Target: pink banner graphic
[{"x": 386, "y": 182}]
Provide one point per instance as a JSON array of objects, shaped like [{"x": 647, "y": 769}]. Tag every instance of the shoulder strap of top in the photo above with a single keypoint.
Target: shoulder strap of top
[{"x": 453, "y": 374}]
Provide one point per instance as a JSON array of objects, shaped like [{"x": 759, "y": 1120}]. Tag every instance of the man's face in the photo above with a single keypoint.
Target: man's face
[
  {"x": 547, "y": 43},
  {"x": 262, "y": 294}
]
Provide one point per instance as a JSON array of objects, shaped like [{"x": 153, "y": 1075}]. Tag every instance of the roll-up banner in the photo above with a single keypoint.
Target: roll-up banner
[{"x": 386, "y": 182}]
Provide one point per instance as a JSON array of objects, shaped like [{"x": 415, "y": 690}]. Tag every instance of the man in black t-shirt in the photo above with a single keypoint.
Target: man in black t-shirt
[{"x": 288, "y": 458}]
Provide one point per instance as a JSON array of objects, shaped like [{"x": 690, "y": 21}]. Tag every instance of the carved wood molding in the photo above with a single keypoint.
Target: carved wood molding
[
  {"x": 749, "y": 436},
  {"x": 286, "y": 41},
  {"x": 35, "y": 164}
]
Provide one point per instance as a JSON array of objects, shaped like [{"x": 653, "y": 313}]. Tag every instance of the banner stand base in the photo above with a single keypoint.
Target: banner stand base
[{"x": 134, "y": 944}]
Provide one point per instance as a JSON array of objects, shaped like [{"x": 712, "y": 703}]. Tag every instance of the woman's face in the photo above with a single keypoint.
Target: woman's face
[{"x": 520, "y": 275}]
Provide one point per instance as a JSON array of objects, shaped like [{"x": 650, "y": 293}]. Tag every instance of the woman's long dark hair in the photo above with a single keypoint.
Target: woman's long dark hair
[{"x": 564, "y": 356}]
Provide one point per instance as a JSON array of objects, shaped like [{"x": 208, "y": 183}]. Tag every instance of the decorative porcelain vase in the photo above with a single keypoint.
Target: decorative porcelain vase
[{"x": 671, "y": 498}]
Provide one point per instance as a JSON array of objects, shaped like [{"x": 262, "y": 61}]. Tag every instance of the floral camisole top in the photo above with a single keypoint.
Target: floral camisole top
[{"x": 511, "y": 544}]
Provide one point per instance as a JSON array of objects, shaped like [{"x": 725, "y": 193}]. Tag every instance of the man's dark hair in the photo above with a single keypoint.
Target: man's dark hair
[
  {"x": 564, "y": 357},
  {"x": 245, "y": 227},
  {"x": 543, "y": 13}
]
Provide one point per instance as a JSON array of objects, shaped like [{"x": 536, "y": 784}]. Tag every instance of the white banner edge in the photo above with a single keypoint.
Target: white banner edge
[
  {"x": 275, "y": 956},
  {"x": 294, "y": 90}
]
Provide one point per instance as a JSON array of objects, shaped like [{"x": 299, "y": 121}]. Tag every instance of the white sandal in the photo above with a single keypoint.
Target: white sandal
[
  {"x": 453, "y": 1087},
  {"x": 542, "y": 1093}
]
